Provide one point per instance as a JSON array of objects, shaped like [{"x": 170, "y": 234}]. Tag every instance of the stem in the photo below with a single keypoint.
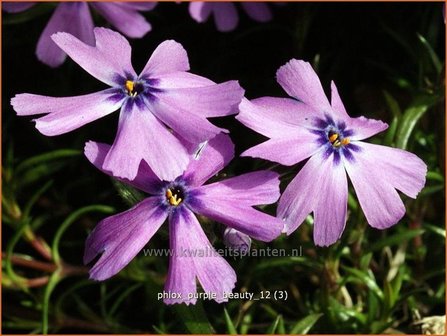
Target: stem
[
  {"x": 37, "y": 282},
  {"x": 54, "y": 279},
  {"x": 34, "y": 264},
  {"x": 38, "y": 244}
]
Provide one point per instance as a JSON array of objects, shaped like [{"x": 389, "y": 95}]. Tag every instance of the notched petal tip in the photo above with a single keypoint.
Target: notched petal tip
[
  {"x": 60, "y": 36},
  {"x": 20, "y": 103},
  {"x": 105, "y": 30},
  {"x": 180, "y": 301},
  {"x": 290, "y": 66},
  {"x": 96, "y": 152},
  {"x": 168, "y": 57},
  {"x": 90, "y": 146}
]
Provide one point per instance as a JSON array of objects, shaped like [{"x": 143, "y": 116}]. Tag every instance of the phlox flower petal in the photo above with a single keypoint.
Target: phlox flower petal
[
  {"x": 145, "y": 180},
  {"x": 377, "y": 195},
  {"x": 112, "y": 235},
  {"x": 124, "y": 18},
  {"x": 110, "y": 56},
  {"x": 65, "y": 113},
  {"x": 188, "y": 242},
  {"x": 73, "y": 18},
  {"x": 142, "y": 136}
]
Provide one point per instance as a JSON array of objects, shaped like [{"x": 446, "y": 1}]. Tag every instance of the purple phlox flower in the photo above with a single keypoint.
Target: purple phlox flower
[
  {"x": 119, "y": 238},
  {"x": 17, "y": 7},
  {"x": 164, "y": 94},
  {"x": 225, "y": 13},
  {"x": 310, "y": 126},
  {"x": 236, "y": 240},
  {"x": 75, "y": 18}
]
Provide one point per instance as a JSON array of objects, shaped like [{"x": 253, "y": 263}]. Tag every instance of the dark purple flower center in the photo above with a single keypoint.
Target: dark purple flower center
[
  {"x": 134, "y": 90},
  {"x": 335, "y": 137},
  {"x": 175, "y": 194}
]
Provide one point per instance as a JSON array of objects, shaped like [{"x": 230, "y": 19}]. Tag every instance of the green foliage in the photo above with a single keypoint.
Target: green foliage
[{"x": 194, "y": 318}]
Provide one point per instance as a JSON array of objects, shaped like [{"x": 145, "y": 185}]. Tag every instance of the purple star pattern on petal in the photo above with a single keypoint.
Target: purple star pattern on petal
[{"x": 231, "y": 202}]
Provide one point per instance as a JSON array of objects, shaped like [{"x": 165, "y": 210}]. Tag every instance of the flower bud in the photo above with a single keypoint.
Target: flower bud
[{"x": 236, "y": 240}]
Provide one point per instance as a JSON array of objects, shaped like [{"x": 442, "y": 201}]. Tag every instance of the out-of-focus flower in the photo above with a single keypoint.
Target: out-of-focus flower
[
  {"x": 236, "y": 240},
  {"x": 119, "y": 238},
  {"x": 310, "y": 126},
  {"x": 16, "y": 7},
  {"x": 163, "y": 94},
  {"x": 75, "y": 18},
  {"x": 225, "y": 13}
]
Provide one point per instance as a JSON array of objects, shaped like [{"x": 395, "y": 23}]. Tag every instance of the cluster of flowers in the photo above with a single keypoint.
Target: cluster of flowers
[
  {"x": 166, "y": 147},
  {"x": 75, "y": 18}
]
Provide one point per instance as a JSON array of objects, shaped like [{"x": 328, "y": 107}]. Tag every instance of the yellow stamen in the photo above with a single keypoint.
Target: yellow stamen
[
  {"x": 345, "y": 141},
  {"x": 175, "y": 201},
  {"x": 333, "y": 137},
  {"x": 168, "y": 193},
  {"x": 172, "y": 198},
  {"x": 130, "y": 86}
]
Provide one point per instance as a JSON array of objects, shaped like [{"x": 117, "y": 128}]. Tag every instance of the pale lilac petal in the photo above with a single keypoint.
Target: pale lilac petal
[
  {"x": 71, "y": 17},
  {"x": 320, "y": 187},
  {"x": 110, "y": 57},
  {"x": 200, "y": 11},
  {"x": 286, "y": 150},
  {"x": 258, "y": 11},
  {"x": 404, "y": 170},
  {"x": 16, "y": 7},
  {"x": 274, "y": 117},
  {"x": 331, "y": 205},
  {"x": 185, "y": 109},
  {"x": 194, "y": 255},
  {"x": 212, "y": 100},
  {"x": 338, "y": 107},
  {"x": 65, "y": 113},
  {"x": 169, "y": 56},
  {"x": 261, "y": 187},
  {"x": 190, "y": 126},
  {"x": 225, "y": 16},
  {"x": 376, "y": 172},
  {"x": 362, "y": 127},
  {"x": 194, "y": 150},
  {"x": 141, "y": 136},
  {"x": 255, "y": 188},
  {"x": 300, "y": 81},
  {"x": 181, "y": 284},
  {"x": 125, "y": 19},
  {"x": 119, "y": 238},
  {"x": 181, "y": 80},
  {"x": 377, "y": 196},
  {"x": 239, "y": 216},
  {"x": 145, "y": 180},
  {"x": 213, "y": 157}
]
